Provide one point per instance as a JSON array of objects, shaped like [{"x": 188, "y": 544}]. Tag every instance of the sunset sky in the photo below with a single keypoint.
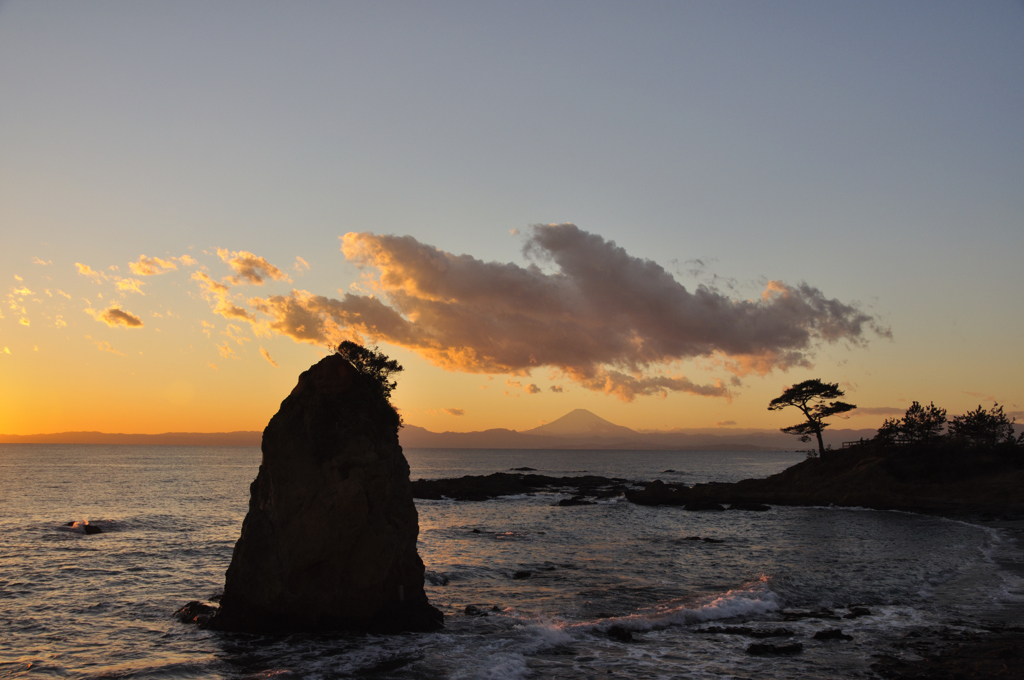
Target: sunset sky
[{"x": 664, "y": 213}]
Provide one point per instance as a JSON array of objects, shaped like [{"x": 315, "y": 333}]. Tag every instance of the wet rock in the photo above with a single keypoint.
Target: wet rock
[
  {"x": 575, "y": 500},
  {"x": 704, "y": 506},
  {"x": 329, "y": 541},
  {"x": 473, "y": 610},
  {"x": 857, "y": 612},
  {"x": 750, "y": 507},
  {"x": 195, "y": 612},
  {"x": 793, "y": 615},
  {"x": 524, "y": 469},
  {"x": 713, "y": 540},
  {"x": 520, "y": 575},
  {"x": 765, "y": 649},
  {"x": 91, "y": 529},
  {"x": 659, "y": 493},
  {"x": 620, "y": 633},
  {"x": 832, "y": 634}
]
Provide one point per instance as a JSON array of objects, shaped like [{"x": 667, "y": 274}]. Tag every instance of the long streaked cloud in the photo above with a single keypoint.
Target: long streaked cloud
[
  {"x": 878, "y": 411},
  {"x": 607, "y": 320},
  {"x": 115, "y": 316},
  {"x": 266, "y": 355},
  {"x": 250, "y": 268}
]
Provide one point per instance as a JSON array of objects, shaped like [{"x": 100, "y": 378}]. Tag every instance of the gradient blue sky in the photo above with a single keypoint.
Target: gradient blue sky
[{"x": 874, "y": 150}]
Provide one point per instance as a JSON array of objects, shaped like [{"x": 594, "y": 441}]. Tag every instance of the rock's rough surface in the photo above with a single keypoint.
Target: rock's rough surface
[{"x": 329, "y": 541}]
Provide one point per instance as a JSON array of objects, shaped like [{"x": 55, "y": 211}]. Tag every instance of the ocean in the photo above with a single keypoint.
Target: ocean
[{"x": 551, "y": 581}]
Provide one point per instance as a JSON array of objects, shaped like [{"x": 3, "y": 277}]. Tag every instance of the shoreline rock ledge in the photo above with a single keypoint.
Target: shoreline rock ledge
[{"x": 329, "y": 542}]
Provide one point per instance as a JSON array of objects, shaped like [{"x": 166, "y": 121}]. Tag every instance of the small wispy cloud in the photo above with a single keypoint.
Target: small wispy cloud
[
  {"x": 455, "y": 411},
  {"x": 250, "y": 268},
  {"x": 300, "y": 265},
  {"x": 151, "y": 266},
  {"x": 130, "y": 286},
  {"x": 532, "y": 389},
  {"x": 115, "y": 316},
  {"x": 266, "y": 355},
  {"x": 226, "y": 351},
  {"x": 86, "y": 270},
  {"x": 24, "y": 322},
  {"x": 36, "y": 260},
  {"x": 558, "y": 389},
  {"x": 725, "y": 423},
  {"x": 104, "y": 346}
]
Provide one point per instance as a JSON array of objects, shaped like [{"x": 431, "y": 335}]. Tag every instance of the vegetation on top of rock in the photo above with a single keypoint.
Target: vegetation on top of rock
[
  {"x": 372, "y": 363},
  {"x": 812, "y": 398}
]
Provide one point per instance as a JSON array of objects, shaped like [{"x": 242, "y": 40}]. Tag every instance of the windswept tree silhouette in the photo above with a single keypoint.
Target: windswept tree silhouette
[
  {"x": 812, "y": 398},
  {"x": 372, "y": 363}
]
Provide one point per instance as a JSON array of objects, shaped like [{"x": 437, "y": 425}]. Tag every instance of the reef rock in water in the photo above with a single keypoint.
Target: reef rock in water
[{"x": 329, "y": 541}]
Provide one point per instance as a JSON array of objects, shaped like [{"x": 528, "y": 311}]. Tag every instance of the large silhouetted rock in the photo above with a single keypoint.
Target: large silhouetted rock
[{"x": 329, "y": 541}]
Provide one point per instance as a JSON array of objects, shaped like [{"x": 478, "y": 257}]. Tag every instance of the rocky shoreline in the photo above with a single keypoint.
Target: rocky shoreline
[{"x": 861, "y": 477}]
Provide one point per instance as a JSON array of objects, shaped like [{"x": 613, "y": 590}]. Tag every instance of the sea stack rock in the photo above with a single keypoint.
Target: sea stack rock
[{"x": 329, "y": 542}]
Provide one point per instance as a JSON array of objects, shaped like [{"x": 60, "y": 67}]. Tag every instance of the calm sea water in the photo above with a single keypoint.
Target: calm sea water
[{"x": 100, "y": 606}]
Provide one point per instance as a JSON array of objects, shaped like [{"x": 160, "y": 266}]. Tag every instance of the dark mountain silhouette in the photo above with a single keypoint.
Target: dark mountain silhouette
[{"x": 579, "y": 429}]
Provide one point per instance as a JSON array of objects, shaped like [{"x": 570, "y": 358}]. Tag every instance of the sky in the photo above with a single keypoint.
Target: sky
[{"x": 663, "y": 212}]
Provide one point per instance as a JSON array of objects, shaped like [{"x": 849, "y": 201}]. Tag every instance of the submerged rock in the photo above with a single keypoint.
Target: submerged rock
[
  {"x": 329, "y": 541},
  {"x": 91, "y": 529}
]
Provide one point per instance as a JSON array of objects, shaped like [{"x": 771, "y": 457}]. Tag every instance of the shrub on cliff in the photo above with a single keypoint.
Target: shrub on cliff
[{"x": 372, "y": 363}]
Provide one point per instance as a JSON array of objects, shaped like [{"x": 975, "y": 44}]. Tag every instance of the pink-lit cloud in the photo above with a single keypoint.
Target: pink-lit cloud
[{"x": 597, "y": 316}]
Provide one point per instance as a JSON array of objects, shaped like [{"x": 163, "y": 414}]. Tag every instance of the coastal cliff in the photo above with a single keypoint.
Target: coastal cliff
[{"x": 329, "y": 541}]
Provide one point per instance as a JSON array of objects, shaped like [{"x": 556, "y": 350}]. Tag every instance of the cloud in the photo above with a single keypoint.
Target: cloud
[
  {"x": 878, "y": 411},
  {"x": 24, "y": 322},
  {"x": 151, "y": 266},
  {"x": 36, "y": 260},
  {"x": 115, "y": 316},
  {"x": 212, "y": 365},
  {"x": 219, "y": 297},
  {"x": 602, "y": 318},
  {"x": 266, "y": 355},
  {"x": 7, "y": 350},
  {"x": 557, "y": 388},
  {"x": 63, "y": 294},
  {"x": 18, "y": 278},
  {"x": 300, "y": 264},
  {"x": 130, "y": 285},
  {"x": 532, "y": 389},
  {"x": 59, "y": 321},
  {"x": 455, "y": 411},
  {"x": 250, "y": 268},
  {"x": 104, "y": 346},
  {"x": 226, "y": 351},
  {"x": 86, "y": 270},
  {"x": 187, "y": 260},
  {"x": 725, "y": 423}
]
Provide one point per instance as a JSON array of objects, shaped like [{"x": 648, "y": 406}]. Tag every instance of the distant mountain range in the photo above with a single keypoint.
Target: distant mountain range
[{"x": 579, "y": 429}]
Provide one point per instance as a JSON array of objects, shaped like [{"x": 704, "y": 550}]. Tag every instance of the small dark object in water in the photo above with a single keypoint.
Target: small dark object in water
[
  {"x": 701, "y": 506},
  {"x": 91, "y": 529},
  {"x": 575, "y": 500},
  {"x": 522, "y": 574},
  {"x": 495, "y": 608},
  {"x": 857, "y": 612},
  {"x": 765, "y": 649},
  {"x": 620, "y": 633},
  {"x": 750, "y": 507},
  {"x": 475, "y": 531},
  {"x": 195, "y": 612},
  {"x": 473, "y": 610},
  {"x": 832, "y": 634},
  {"x": 524, "y": 469},
  {"x": 713, "y": 540},
  {"x": 669, "y": 471}
]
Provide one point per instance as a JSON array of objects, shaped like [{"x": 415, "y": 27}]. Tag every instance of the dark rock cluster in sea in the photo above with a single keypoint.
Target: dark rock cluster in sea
[{"x": 329, "y": 541}]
